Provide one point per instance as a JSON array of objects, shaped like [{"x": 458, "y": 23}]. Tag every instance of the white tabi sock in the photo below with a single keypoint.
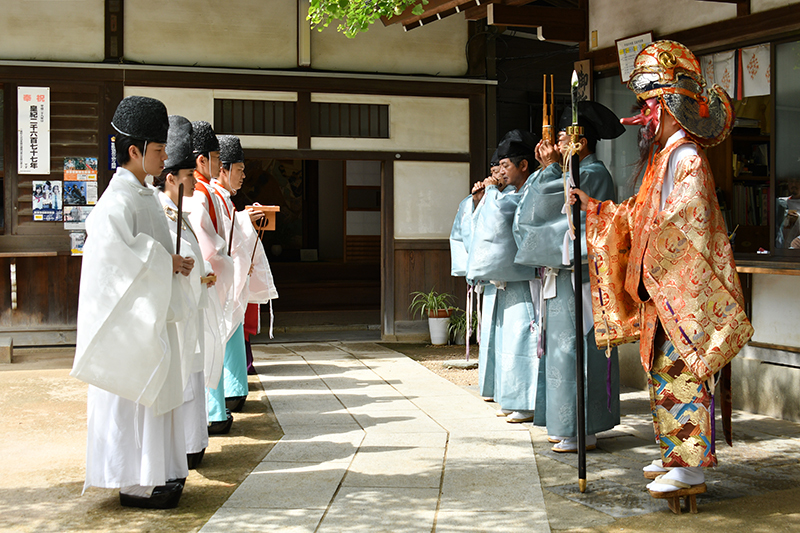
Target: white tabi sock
[
  {"x": 656, "y": 466},
  {"x": 683, "y": 478}
]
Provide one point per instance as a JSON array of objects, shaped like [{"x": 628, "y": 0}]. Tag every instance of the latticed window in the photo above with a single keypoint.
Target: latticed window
[
  {"x": 254, "y": 117},
  {"x": 349, "y": 120}
]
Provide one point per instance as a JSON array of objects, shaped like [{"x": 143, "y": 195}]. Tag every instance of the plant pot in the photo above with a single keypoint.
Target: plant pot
[
  {"x": 461, "y": 340},
  {"x": 438, "y": 329},
  {"x": 440, "y": 313}
]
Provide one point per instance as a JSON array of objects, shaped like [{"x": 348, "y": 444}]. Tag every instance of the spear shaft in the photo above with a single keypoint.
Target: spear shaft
[
  {"x": 180, "y": 219},
  {"x": 575, "y": 133}
]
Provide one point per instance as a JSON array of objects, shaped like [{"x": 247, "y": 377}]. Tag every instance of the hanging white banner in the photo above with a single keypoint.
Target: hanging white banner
[{"x": 33, "y": 128}]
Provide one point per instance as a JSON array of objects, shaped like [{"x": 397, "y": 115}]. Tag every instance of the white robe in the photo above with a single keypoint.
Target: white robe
[
  {"x": 262, "y": 285},
  {"x": 240, "y": 251},
  {"x": 215, "y": 250},
  {"x": 201, "y": 345},
  {"x": 127, "y": 342}
]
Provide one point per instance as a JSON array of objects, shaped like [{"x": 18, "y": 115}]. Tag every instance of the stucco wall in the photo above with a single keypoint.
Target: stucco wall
[
  {"x": 775, "y": 300},
  {"x": 616, "y": 19},
  {"x": 437, "y": 49},
  {"x": 426, "y": 198},
  {"x": 418, "y": 124},
  {"x": 258, "y": 34},
  {"x": 52, "y": 30},
  {"x": 236, "y": 33},
  {"x": 757, "y": 6},
  {"x": 198, "y": 104}
]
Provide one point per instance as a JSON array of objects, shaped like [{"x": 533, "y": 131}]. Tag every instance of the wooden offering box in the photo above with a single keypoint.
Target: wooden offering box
[{"x": 268, "y": 222}]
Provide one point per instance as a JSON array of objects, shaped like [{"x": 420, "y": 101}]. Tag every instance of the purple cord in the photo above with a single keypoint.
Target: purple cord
[{"x": 608, "y": 384}]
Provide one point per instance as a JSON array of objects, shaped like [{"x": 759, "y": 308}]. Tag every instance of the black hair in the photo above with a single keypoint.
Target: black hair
[
  {"x": 517, "y": 159},
  {"x": 227, "y": 166},
  {"x": 591, "y": 144},
  {"x": 122, "y": 143},
  {"x": 160, "y": 181}
]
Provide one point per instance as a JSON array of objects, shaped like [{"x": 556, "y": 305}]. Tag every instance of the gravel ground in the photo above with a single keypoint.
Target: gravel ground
[{"x": 434, "y": 357}]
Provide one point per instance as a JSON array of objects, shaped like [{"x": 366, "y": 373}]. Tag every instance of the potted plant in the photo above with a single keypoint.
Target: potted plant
[
  {"x": 458, "y": 325},
  {"x": 436, "y": 306}
]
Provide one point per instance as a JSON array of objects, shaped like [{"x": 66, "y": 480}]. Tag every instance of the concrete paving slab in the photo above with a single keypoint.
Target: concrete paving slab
[
  {"x": 398, "y": 422},
  {"x": 267, "y": 351},
  {"x": 506, "y": 447},
  {"x": 310, "y": 418},
  {"x": 317, "y": 448},
  {"x": 379, "y": 406},
  {"x": 285, "y": 406},
  {"x": 280, "y": 485},
  {"x": 420, "y": 440},
  {"x": 485, "y": 484},
  {"x": 396, "y": 466},
  {"x": 526, "y": 521},
  {"x": 231, "y": 519},
  {"x": 364, "y": 439},
  {"x": 389, "y": 510}
]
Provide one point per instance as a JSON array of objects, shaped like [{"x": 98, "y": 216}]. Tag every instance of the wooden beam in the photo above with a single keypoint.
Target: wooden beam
[
  {"x": 749, "y": 29},
  {"x": 558, "y": 24},
  {"x": 742, "y": 6},
  {"x": 114, "y": 50},
  {"x": 479, "y": 12},
  {"x": 431, "y": 7}
]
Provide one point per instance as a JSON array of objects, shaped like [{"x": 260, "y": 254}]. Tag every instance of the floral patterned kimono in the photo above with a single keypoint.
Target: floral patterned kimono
[{"x": 668, "y": 276}]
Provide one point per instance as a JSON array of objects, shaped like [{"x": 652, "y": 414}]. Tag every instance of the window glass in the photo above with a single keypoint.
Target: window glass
[
  {"x": 787, "y": 139},
  {"x": 620, "y": 154}
]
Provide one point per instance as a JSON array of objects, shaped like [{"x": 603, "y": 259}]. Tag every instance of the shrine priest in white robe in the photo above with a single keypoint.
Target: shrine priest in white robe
[{"x": 129, "y": 302}]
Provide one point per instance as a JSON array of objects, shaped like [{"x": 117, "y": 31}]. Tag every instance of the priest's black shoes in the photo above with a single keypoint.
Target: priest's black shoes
[
  {"x": 221, "y": 427},
  {"x": 235, "y": 403},
  {"x": 194, "y": 459},
  {"x": 163, "y": 497}
]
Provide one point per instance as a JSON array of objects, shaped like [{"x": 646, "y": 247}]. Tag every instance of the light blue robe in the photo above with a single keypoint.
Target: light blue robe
[
  {"x": 233, "y": 381},
  {"x": 539, "y": 229},
  {"x": 507, "y": 360},
  {"x": 461, "y": 237}
]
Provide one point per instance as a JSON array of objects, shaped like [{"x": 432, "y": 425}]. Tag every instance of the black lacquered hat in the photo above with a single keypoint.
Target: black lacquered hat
[
  {"x": 204, "y": 139},
  {"x": 516, "y": 143},
  {"x": 230, "y": 149},
  {"x": 179, "y": 144},
  {"x": 598, "y": 121},
  {"x": 142, "y": 118}
]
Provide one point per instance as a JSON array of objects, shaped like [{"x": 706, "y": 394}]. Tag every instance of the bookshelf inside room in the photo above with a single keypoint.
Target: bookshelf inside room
[{"x": 741, "y": 167}]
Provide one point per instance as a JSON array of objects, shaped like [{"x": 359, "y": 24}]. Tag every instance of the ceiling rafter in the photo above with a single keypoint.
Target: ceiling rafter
[{"x": 557, "y": 18}]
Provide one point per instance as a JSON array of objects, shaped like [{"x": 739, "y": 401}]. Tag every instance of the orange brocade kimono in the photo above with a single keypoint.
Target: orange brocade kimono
[{"x": 681, "y": 256}]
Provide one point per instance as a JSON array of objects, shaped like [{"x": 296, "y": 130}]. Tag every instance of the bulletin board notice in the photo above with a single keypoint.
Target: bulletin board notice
[{"x": 627, "y": 50}]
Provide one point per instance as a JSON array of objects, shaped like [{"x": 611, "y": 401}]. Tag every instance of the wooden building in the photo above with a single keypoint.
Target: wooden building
[{"x": 372, "y": 142}]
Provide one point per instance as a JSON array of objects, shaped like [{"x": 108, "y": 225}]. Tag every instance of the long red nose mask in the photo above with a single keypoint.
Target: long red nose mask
[{"x": 648, "y": 113}]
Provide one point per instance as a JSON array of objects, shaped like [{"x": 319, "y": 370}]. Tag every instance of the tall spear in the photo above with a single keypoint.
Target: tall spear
[{"x": 575, "y": 133}]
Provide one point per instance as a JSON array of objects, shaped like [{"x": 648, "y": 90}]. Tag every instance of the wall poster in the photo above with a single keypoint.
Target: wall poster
[{"x": 33, "y": 130}]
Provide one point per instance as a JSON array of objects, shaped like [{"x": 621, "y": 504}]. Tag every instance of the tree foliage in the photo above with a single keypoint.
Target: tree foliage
[{"x": 355, "y": 16}]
